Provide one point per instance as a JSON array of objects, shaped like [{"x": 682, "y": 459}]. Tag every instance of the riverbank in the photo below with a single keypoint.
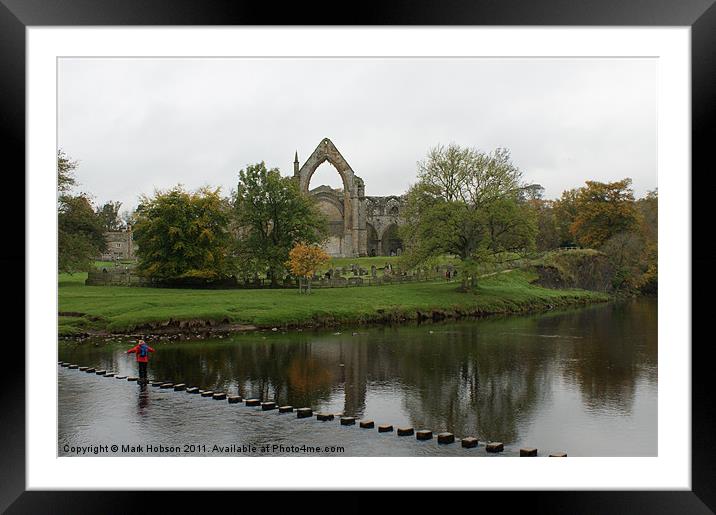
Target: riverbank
[{"x": 97, "y": 310}]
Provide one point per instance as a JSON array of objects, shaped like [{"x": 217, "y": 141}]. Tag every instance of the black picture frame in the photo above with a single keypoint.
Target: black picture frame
[{"x": 700, "y": 15}]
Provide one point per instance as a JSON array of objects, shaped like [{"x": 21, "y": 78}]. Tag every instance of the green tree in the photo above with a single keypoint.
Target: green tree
[
  {"x": 108, "y": 214},
  {"x": 469, "y": 204},
  {"x": 565, "y": 212},
  {"x": 80, "y": 237},
  {"x": 603, "y": 210},
  {"x": 544, "y": 214},
  {"x": 183, "y": 235},
  {"x": 66, "y": 168},
  {"x": 272, "y": 216}
]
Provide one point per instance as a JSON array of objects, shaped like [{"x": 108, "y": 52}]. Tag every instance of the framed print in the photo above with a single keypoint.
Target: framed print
[{"x": 410, "y": 250}]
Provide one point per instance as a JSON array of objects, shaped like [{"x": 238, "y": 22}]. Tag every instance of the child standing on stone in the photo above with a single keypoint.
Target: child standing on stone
[{"x": 142, "y": 351}]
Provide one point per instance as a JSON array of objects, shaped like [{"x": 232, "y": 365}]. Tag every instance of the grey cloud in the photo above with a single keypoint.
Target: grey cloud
[{"x": 140, "y": 124}]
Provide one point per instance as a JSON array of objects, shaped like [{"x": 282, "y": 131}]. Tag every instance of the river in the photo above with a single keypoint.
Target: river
[{"x": 581, "y": 381}]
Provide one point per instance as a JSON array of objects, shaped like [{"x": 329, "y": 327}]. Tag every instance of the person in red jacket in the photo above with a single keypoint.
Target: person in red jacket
[{"x": 142, "y": 351}]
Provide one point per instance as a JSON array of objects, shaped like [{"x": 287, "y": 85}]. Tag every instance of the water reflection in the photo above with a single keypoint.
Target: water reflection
[
  {"x": 143, "y": 400},
  {"x": 493, "y": 378}
]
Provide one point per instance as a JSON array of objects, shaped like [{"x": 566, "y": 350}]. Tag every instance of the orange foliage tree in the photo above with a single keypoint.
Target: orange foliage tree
[{"x": 304, "y": 260}]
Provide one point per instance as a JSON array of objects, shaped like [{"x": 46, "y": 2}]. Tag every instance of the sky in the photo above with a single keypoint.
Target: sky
[{"x": 138, "y": 125}]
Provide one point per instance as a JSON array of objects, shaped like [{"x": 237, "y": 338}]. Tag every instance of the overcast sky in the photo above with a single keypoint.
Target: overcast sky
[{"x": 140, "y": 124}]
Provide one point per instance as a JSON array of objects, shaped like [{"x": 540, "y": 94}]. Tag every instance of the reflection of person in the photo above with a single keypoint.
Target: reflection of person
[
  {"x": 142, "y": 351},
  {"x": 143, "y": 399}
]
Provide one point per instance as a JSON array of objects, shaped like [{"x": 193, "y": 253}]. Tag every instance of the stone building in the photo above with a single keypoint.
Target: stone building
[
  {"x": 120, "y": 245},
  {"x": 358, "y": 225}
]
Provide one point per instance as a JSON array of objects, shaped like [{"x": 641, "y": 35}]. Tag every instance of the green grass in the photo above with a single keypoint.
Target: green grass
[{"x": 123, "y": 309}]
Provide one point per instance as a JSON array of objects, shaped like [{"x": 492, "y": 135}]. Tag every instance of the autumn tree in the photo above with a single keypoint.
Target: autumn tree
[
  {"x": 603, "y": 210},
  {"x": 469, "y": 204},
  {"x": 272, "y": 216},
  {"x": 183, "y": 235},
  {"x": 649, "y": 210},
  {"x": 304, "y": 261}
]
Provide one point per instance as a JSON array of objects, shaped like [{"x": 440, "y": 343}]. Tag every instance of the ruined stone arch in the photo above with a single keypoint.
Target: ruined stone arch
[
  {"x": 390, "y": 240},
  {"x": 392, "y": 206},
  {"x": 353, "y": 241}
]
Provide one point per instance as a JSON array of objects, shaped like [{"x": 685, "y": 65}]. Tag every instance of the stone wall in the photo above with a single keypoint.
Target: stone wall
[{"x": 120, "y": 246}]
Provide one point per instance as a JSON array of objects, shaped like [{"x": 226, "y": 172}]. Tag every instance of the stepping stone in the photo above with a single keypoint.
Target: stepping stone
[
  {"x": 385, "y": 428},
  {"x": 120, "y": 377},
  {"x": 324, "y": 416},
  {"x": 348, "y": 421},
  {"x": 89, "y": 370},
  {"x": 405, "y": 431},
  {"x": 495, "y": 447},
  {"x": 64, "y": 364},
  {"x": 157, "y": 383},
  {"x": 446, "y": 438},
  {"x": 82, "y": 369},
  {"x": 164, "y": 386},
  {"x": 558, "y": 455},
  {"x": 207, "y": 393},
  {"x": 367, "y": 424},
  {"x": 101, "y": 372},
  {"x": 234, "y": 399},
  {"x": 424, "y": 434},
  {"x": 109, "y": 374},
  {"x": 219, "y": 396},
  {"x": 179, "y": 387},
  {"x": 268, "y": 405},
  {"x": 193, "y": 389},
  {"x": 72, "y": 367},
  {"x": 253, "y": 402},
  {"x": 304, "y": 412},
  {"x": 132, "y": 378},
  {"x": 285, "y": 409},
  {"x": 469, "y": 442},
  {"x": 528, "y": 451}
]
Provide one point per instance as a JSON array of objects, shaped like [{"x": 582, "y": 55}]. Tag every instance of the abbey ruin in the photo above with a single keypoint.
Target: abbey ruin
[{"x": 358, "y": 225}]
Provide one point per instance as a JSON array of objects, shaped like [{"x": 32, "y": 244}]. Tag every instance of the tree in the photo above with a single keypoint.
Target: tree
[
  {"x": 183, "y": 235},
  {"x": 80, "y": 237},
  {"x": 272, "y": 217},
  {"x": 603, "y": 210},
  {"x": 649, "y": 228},
  {"x": 469, "y": 204},
  {"x": 304, "y": 261},
  {"x": 65, "y": 172},
  {"x": 109, "y": 216},
  {"x": 565, "y": 212}
]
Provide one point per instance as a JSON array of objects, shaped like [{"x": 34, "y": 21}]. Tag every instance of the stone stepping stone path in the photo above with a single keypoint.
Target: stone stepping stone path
[{"x": 444, "y": 438}]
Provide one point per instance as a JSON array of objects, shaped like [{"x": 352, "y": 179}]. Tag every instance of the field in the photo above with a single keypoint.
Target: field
[{"x": 118, "y": 309}]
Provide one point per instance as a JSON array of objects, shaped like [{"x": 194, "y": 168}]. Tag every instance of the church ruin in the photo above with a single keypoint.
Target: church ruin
[{"x": 358, "y": 225}]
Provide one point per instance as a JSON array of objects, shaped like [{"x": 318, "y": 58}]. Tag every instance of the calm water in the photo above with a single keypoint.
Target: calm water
[{"x": 582, "y": 381}]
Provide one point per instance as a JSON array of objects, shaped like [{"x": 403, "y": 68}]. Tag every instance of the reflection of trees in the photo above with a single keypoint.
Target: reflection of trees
[
  {"x": 619, "y": 341},
  {"x": 283, "y": 371},
  {"x": 471, "y": 389}
]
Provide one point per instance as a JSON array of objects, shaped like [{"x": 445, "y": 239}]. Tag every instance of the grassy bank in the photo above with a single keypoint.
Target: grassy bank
[{"x": 129, "y": 309}]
